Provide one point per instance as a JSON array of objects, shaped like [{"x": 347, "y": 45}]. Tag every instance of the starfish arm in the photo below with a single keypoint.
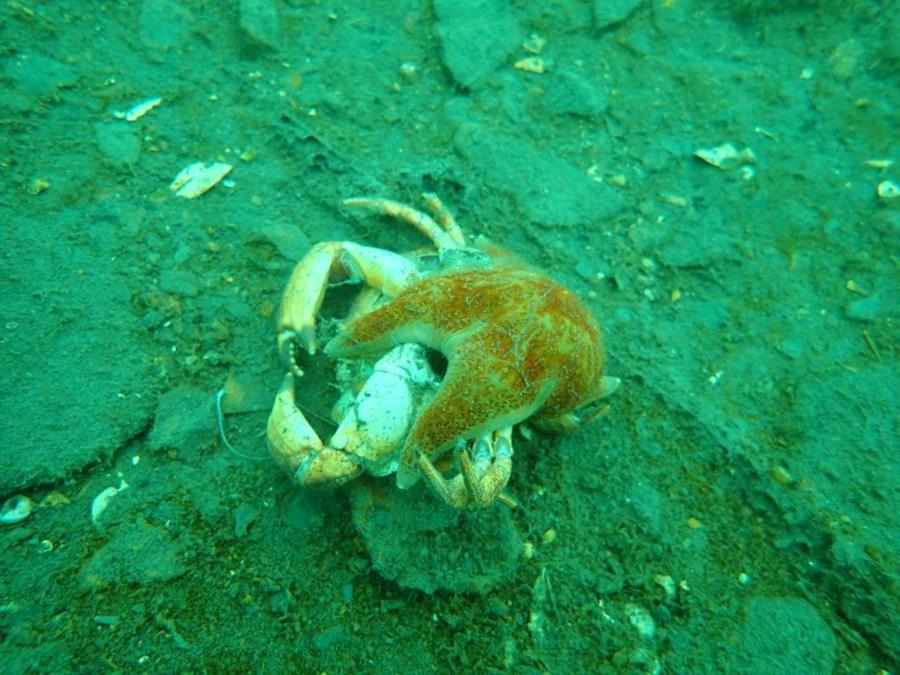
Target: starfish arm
[{"x": 481, "y": 392}]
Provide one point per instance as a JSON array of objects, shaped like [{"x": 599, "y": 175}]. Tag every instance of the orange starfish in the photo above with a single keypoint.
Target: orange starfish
[{"x": 518, "y": 346}]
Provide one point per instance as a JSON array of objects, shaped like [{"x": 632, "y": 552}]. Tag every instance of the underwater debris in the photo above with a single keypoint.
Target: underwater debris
[
  {"x": 725, "y": 156},
  {"x": 138, "y": 110},
  {"x": 888, "y": 190},
  {"x": 16, "y": 509},
  {"x": 198, "y": 178},
  {"x": 101, "y": 501}
]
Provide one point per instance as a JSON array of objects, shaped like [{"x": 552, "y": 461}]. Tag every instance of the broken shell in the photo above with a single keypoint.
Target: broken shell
[
  {"x": 137, "y": 111},
  {"x": 879, "y": 163},
  {"x": 534, "y": 44},
  {"x": 725, "y": 155},
  {"x": 531, "y": 64},
  {"x": 667, "y": 583},
  {"x": 101, "y": 501},
  {"x": 192, "y": 181},
  {"x": 888, "y": 190},
  {"x": 16, "y": 509}
]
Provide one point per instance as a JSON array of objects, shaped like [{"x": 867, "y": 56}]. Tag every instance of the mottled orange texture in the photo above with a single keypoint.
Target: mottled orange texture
[{"x": 517, "y": 344}]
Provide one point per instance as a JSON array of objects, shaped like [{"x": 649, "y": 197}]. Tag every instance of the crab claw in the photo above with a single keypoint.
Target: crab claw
[
  {"x": 296, "y": 447},
  {"x": 326, "y": 263}
]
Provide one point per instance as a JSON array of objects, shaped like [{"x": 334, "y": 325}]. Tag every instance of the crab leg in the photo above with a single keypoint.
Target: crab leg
[
  {"x": 445, "y": 218},
  {"x": 447, "y": 237},
  {"x": 481, "y": 481},
  {"x": 305, "y": 290}
]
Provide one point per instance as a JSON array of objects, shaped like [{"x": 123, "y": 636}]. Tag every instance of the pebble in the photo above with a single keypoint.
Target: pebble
[
  {"x": 259, "y": 21},
  {"x": 476, "y": 36},
  {"x": 610, "y": 12},
  {"x": 184, "y": 421},
  {"x": 867, "y": 309}
]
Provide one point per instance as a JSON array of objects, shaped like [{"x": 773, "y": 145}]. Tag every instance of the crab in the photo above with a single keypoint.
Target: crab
[{"x": 518, "y": 347}]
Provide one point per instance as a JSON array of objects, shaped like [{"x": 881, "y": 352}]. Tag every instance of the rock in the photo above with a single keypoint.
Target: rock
[
  {"x": 420, "y": 543},
  {"x": 869, "y": 308},
  {"x": 179, "y": 282},
  {"x": 118, "y": 143},
  {"x": 76, "y": 380},
  {"x": 610, "y": 12},
  {"x": 569, "y": 93},
  {"x": 290, "y": 241},
  {"x": 37, "y": 76},
  {"x": 701, "y": 247},
  {"x": 164, "y": 24},
  {"x": 184, "y": 421},
  {"x": 138, "y": 553},
  {"x": 783, "y": 635},
  {"x": 476, "y": 36},
  {"x": 244, "y": 515},
  {"x": 259, "y": 21}
]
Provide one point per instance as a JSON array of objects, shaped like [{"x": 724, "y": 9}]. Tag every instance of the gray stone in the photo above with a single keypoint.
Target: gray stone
[
  {"x": 784, "y": 635},
  {"x": 164, "y": 24},
  {"x": 118, "y": 143},
  {"x": 569, "y": 93},
  {"x": 38, "y": 76},
  {"x": 288, "y": 238},
  {"x": 179, "y": 282},
  {"x": 259, "y": 21},
  {"x": 138, "y": 553},
  {"x": 476, "y": 36},
  {"x": 419, "y": 542},
  {"x": 184, "y": 421},
  {"x": 610, "y": 12},
  {"x": 869, "y": 308}
]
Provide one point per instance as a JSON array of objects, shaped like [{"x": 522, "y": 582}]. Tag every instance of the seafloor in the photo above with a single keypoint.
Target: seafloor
[{"x": 738, "y": 509}]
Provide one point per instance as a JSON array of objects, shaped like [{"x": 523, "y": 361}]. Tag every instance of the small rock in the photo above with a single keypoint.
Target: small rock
[
  {"x": 38, "y": 76},
  {"x": 611, "y": 12},
  {"x": 178, "y": 282},
  {"x": 138, "y": 553},
  {"x": 164, "y": 24},
  {"x": 476, "y": 35},
  {"x": 867, "y": 309},
  {"x": 118, "y": 143},
  {"x": 289, "y": 239},
  {"x": 244, "y": 515},
  {"x": 548, "y": 189},
  {"x": 570, "y": 94},
  {"x": 420, "y": 543},
  {"x": 324, "y": 640},
  {"x": 259, "y": 21},
  {"x": 782, "y": 635},
  {"x": 184, "y": 421}
]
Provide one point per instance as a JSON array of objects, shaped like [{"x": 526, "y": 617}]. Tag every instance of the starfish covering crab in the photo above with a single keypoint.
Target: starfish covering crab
[{"x": 518, "y": 346}]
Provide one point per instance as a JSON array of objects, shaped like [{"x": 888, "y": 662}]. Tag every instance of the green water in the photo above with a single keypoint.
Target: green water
[{"x": 735, "y": 512}]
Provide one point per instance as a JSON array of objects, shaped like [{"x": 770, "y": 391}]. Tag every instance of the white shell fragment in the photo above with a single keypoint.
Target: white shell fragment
[
  {"x": 16, "y": 509},
  {"x": 725, "y": 156},
  {"x": 138, "y": 110},
  {"x": 192, "y": 181},
  {"x": 101, "y": 501}
]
